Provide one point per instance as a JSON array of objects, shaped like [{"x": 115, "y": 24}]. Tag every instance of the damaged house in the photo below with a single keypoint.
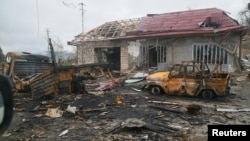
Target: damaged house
[{"x": 161, "y": 40}]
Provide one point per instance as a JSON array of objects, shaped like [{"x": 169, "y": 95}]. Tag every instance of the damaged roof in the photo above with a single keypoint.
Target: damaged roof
[
  {"x": 201, "y": 21},
  {"x": 109, "y": 30}
]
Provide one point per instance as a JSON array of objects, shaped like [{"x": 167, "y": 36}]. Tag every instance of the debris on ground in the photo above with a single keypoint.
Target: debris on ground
[
  {"x": 71, "y": 109},
  {"x": 63, "y": 132},
  {"x": 123, "y": 113},
  {"x": 231, "y": 109},
  {"x": 109, "y": 85},
  {"x": 194, "y": 109},
  {"x": 139, "y": 76},
  {"x": 54, "y": 112}
]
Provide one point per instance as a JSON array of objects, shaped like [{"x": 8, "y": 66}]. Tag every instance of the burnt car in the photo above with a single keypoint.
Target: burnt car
[{"x": 189, "y": 79}]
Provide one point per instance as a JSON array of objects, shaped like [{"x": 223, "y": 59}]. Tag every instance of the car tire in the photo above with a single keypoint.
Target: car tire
[
  {"x": 207, "y": 94},
  {"x": 7, "y": 102},
  {"x": 155, "y": 90}
]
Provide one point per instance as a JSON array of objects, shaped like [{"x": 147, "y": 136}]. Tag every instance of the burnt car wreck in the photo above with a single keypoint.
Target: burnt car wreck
[{"x": 191, "y": 79}]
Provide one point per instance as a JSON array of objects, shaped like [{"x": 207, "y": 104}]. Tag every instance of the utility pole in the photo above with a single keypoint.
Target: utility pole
[
  {"x": 76, "y": 6},
  {"x": 82, "y": 4},
  {"x": 48, "y": 38}
]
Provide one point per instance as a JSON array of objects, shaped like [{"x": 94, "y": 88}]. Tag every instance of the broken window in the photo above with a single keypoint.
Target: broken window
[
  {"x": 144, "y": 55},
  {"x": 150, "y": 56},
  {"x": 209, "y": 53},
  {"x": 109, "y": 55},
  {"x": 161, "y": 54}
]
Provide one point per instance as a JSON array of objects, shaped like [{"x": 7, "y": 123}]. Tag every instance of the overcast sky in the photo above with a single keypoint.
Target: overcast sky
[{"x": 23, "y": 23}]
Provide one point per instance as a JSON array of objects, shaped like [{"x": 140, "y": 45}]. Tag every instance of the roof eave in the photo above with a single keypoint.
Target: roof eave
[{"x": 141, "y": 35}]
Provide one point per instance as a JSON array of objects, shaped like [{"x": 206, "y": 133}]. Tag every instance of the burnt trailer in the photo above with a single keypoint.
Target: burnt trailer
[
  {"x": 65, "y": 79},
  {"x": 23, "y": 67}
]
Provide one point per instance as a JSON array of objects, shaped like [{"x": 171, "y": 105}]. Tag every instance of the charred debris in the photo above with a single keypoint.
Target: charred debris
[{"x": 36, "y": 74}]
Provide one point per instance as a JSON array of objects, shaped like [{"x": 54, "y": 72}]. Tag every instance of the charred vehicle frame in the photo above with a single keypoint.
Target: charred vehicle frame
[{"x": 190, "y": 78}]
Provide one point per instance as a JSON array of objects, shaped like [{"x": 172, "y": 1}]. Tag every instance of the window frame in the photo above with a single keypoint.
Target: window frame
[{"x": 209, "y": 53}]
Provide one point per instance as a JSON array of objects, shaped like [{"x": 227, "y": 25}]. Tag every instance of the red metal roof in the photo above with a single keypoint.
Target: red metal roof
[{"x": 210, "y": 20}]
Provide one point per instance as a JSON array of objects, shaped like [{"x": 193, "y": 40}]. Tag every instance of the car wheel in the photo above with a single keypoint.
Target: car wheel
[
  {"x": 207, "y": 94},
  {"x": 155, "y": 90},
  {"x": 6, "y": 103}
]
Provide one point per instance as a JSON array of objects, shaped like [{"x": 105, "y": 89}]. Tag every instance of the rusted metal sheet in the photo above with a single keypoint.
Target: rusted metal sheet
[
  {"x": 66, "y": 79},
  {"x": 66, "y": 75},
  {"x": 23, "y": 67},
  {"x": 43, "y": 85},
  {"x": 219, "y": 82}
]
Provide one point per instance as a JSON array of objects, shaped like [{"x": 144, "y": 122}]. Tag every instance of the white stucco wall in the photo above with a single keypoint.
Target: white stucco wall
[
  {"x": 182, "y": 50},
  {"x": 133, "y": 53},
  {"x": 133, "y": 48}
]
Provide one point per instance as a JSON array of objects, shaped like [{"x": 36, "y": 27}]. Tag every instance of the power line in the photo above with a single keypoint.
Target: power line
[{"x": 75, "y": 6}]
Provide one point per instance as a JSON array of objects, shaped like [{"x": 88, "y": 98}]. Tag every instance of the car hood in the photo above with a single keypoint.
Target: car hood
[{"x": 158, "y": 76}]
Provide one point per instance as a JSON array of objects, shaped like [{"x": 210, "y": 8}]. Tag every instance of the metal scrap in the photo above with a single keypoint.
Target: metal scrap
[{"x": 139, "y": 76}]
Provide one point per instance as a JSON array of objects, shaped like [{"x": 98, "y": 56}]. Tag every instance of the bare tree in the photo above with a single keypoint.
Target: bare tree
[
  {"x": 59, "y": 49},
  {"x": 244, "y": 16}
]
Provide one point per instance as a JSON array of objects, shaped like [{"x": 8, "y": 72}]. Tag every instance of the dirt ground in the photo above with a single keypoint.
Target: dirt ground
[{"x": 126, "y": 113}]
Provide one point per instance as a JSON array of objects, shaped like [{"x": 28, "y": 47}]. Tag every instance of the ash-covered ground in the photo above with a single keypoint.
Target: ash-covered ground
[{"x": 125, "y": 113}]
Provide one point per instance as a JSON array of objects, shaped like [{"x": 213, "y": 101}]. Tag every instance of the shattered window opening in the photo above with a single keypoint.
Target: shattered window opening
[
  {"x": 211, "y": 54},
  {"x": 161, "y": 54},
  {"x": 151, "y": 56},
  {"x": 144, "y": 55}
]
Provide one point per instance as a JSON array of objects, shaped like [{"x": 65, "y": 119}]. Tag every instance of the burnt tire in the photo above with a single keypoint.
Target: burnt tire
[
  {"x": 207, "y": 94},
  {"x": 6, "y": 102},
  {"x": 155, "y": 90}
]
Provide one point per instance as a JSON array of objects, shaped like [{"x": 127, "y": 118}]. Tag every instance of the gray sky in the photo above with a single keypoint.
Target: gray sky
[{"x": 24, "y": 22}]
